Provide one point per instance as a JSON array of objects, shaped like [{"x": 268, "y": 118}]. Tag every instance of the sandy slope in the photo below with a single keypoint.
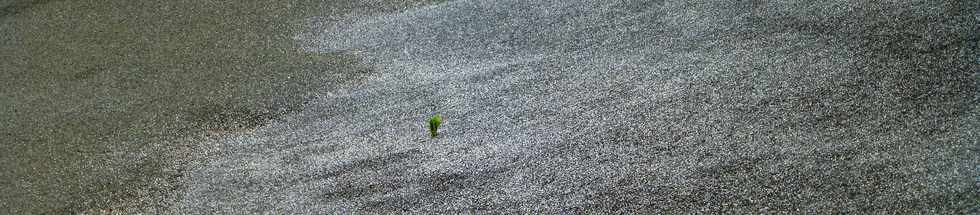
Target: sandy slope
[{"x": 588, "y": 105}]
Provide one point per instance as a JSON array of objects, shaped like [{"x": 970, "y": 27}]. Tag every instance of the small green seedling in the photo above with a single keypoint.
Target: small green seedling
[{"x": 434, "y": 123}]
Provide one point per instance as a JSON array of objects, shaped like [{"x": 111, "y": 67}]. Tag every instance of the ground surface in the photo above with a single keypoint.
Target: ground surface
[{"x": 580, "y": 105}]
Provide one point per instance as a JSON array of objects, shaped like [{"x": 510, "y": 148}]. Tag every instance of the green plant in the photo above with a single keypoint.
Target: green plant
[{"x": 434, "y": 123}]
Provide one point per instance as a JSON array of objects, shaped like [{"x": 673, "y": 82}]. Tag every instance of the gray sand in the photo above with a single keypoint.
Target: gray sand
[
  {"x": 608, "y": 106},
  {"x": 629, "y": 106}
]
